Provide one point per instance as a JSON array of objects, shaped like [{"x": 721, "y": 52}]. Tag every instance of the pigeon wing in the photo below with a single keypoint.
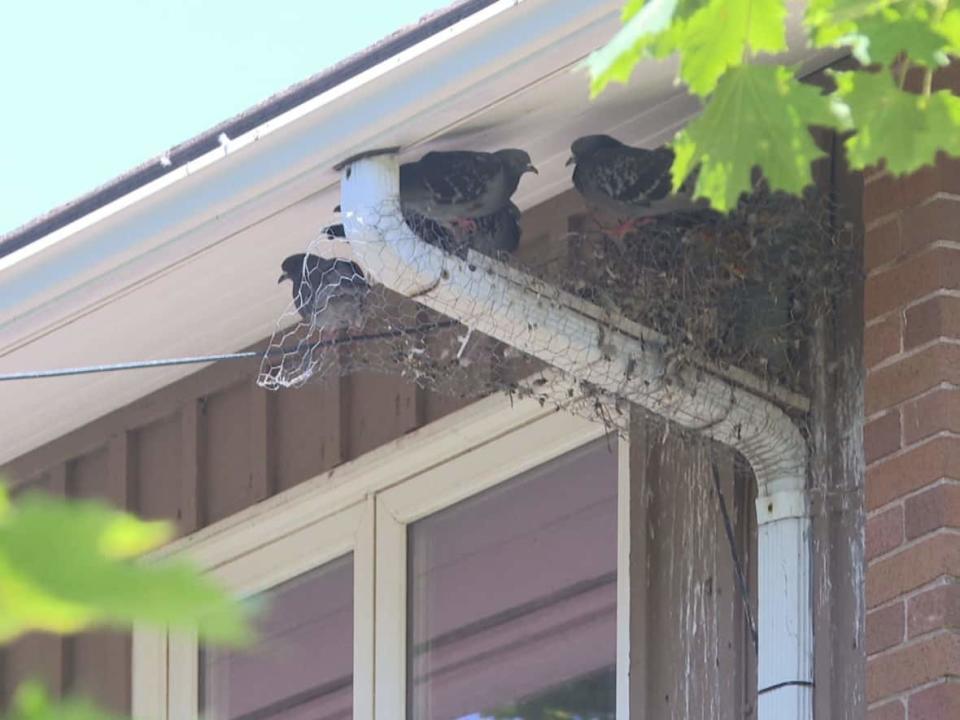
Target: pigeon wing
[
  {"x": 632, "y": 176},
  {"x": 459, "y": 177}
]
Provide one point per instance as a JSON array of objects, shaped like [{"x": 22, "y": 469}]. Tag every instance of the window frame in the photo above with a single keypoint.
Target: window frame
[{"x": 364, "y": 507}]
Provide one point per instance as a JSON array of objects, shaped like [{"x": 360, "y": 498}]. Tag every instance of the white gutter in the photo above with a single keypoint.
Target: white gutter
[{"x": 626, "y": 366}]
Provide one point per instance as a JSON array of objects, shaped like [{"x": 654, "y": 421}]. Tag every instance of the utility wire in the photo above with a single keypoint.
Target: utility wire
[{"x": 198, "y": 359}]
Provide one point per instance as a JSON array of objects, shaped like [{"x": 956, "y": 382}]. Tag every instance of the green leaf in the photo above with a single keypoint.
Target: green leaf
[
  {"x": 880, "y": 39},
  {"x": 901, "y": 129},
  {"x": 758, "y": 117},
  {"x": 830, "y": 20},
  {"x": 716, "y": 37},
  {"x": 690, "y": 27},
  {"x": 615, "y": 60},
  {"x": 31, "y": 702},
  {"x": 65, "y": 566},
  {"x": 949, "y": 27},
  {"x": 880, "y": 30}
]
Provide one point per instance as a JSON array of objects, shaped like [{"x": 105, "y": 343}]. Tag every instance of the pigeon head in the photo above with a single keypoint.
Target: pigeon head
[
  {"x": 517, "y": 162},
  {"x": 292, "y": 268},
  {"x": 589, "y": 144},
  {"x": 334, "y": 231}
]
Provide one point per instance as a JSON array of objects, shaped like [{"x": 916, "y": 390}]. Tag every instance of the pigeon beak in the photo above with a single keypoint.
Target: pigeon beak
[
  {"x": 282, "y": 278},
  {"x": 531, "y": 168},
  {"x": 570, "y": 161}
]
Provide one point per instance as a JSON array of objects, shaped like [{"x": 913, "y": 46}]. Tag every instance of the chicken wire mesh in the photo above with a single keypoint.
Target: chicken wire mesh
[{"x": 699, "y": 289}]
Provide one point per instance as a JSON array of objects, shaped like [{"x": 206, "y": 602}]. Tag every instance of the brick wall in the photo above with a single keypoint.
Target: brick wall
[{"x": 912, "y": 443}]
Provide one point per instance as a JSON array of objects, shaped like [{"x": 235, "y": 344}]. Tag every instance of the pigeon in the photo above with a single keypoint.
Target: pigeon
[
  {"x": 459, "y": 186},
  {"x": 490, "y": 234},
  {"x": 496, "y": 233},
  {"x": 430, "y": 231},
  {"x": 631, "y": 184},
  {"x": 329, "y": 294}
]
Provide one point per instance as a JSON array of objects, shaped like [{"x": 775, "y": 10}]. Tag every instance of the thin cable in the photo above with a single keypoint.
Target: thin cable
[
  {"x": 738, "y": 567},
  {"x": 198, "y": 359}
]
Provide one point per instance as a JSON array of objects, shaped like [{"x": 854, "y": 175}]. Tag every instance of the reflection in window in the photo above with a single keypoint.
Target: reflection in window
[
  {"x": 513, "y": 598},
  {"x": 301, "y": 667}
]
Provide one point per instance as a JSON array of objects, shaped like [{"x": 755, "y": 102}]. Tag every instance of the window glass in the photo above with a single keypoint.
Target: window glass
[
  {"x": 512, "y": 607},
  {"x": 301, "y": 667}
]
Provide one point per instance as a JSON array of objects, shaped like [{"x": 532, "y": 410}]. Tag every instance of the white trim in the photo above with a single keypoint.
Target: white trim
[
  {"x": 390, "y": 620},
  {"x": 363, "y": 506},
  {"x": 364, "y": 605},
  {"x": 149, "y": 672},
  {"x": 444, "y": 485},
  {"x": 624, "y": 547},
  {"x": 350, "y": 483}
]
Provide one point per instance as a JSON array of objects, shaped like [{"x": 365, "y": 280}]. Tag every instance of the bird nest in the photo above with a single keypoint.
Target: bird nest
[{"x": 741, "y": 289}]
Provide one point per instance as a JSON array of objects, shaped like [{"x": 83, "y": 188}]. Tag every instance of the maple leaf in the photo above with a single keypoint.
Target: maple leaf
[
  {"x": 690, "y": 28},
  {"x": 758, "y": 116},
  {"x": 69, "y": 565},
  {"x": 901, "y": 129}
]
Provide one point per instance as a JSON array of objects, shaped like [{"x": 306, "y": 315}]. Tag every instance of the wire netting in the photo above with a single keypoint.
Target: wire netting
[{"x": 698, "y": 289}]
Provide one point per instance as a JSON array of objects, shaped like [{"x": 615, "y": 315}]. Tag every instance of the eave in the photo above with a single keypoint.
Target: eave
[{"x": 186, "y": 264}]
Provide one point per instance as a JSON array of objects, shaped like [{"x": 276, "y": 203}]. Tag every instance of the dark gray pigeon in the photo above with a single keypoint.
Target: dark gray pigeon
[
  {"x": 430, "y": 231},
  {"x": 329, "y": 294},
  {"x": 490, "y": 234},
  {"x": 496, "y": 233},
  {"x": 456, "y": 187},
  {"x": 630, "y": 184}
]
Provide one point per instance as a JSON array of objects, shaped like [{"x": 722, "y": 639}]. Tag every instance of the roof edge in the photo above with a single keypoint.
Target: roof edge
[{"x": 274, "y": 106}]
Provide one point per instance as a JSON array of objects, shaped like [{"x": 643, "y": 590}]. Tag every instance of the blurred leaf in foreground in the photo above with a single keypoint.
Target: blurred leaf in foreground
[
  {"x": 69, "y": 565},
  {"x": 32, "y": 703}
]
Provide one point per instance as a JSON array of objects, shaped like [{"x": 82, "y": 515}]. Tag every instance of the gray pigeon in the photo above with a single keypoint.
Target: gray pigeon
[
  {"x": 456, "y": 187},
  {"x": 496, "y": 233},
  {"x": 627, "y": 183},
  {"x": 329, "y": 294},
  {"x": 430, "y": 231},
  {"x": 490, "y": 234}
]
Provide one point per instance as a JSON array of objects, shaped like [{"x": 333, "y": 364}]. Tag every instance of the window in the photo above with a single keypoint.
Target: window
[
  {"x": 512, "y": 597},
  {"x": 466, "y": 570},
  {"x": 285, "y": 677}
]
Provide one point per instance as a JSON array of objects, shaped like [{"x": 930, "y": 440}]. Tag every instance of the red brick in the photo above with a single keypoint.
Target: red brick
[
  {"x": 938, "y": 507},
  {"x": 935, "y": 221},
  {"x": 911, "y": 376},
  {"x": 947, "y": 78},
  {"x": 934, "y": 318},
  {"x": 939, "y": 702},
  {"x": 884, "y": 532},
  {"x": 888, "y": 711},
  {"x": 911, "y": 470},
  {"x": 885, "y": 628},
  {"x": 935, "y": 412},
  {"x": 934, "y": 609},
  {"x": 882, "y": 339},
  {"x": 882, "y": 244},
  {"x": 885, "y": 194},
  {"x": 908, "y": 667},
  {"x": 913, "y": 567},
  {"x": 917, "y": 276},
  {"x": 881, "y": 437}
]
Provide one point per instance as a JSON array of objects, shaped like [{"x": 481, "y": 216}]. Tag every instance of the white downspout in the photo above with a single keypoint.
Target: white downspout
[{"x": 626, "y": 366}]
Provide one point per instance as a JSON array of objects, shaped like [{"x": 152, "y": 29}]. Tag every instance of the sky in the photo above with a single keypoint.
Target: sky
[{"x": 93, "y": 88}]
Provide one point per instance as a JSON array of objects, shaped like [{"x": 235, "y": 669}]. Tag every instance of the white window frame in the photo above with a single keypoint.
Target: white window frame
[{"x": 364, "y": 507}]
